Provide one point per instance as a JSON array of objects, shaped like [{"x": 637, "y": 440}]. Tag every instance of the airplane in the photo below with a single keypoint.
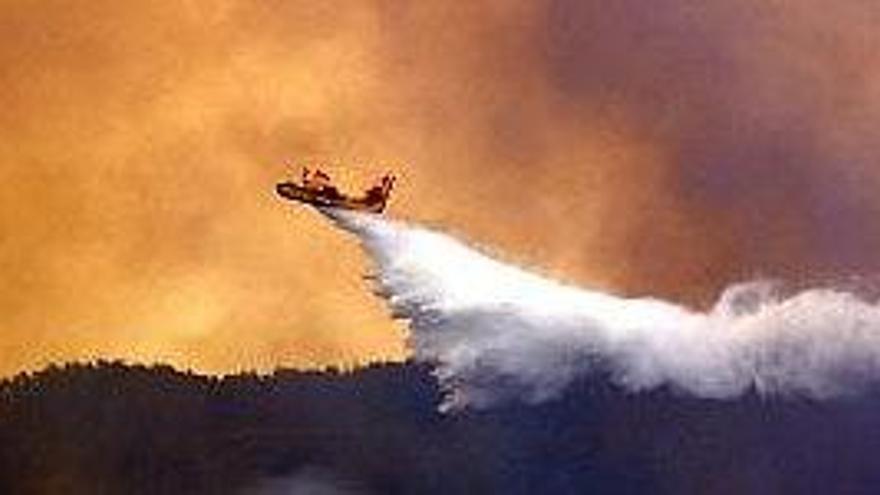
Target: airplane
[{"x": 316, "y": 189}]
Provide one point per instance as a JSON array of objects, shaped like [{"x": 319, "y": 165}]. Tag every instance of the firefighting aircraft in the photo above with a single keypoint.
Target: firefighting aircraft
[{"x": 316, "y": 189}]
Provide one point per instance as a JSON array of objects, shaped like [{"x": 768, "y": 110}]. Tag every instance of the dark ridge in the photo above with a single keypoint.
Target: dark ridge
[{"x": 114, "y": 428}]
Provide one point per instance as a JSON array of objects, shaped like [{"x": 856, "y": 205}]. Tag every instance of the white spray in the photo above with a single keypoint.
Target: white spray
[{"x": 495, "y": 332}]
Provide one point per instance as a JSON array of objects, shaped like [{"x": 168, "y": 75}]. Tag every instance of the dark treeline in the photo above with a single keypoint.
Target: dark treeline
[{"x": 113, "y": 428}]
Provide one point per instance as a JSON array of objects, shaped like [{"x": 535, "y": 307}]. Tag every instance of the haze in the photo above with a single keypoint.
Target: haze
[{"x": 640, "y": 148}]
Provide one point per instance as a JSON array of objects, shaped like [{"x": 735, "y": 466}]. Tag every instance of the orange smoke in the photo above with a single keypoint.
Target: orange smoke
[{"x": 636, "y": 152}]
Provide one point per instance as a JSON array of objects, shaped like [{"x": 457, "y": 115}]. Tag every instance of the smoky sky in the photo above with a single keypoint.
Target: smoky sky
[
  {"x": 764, "y": 108},
  {"x": 668, "y": 148}
]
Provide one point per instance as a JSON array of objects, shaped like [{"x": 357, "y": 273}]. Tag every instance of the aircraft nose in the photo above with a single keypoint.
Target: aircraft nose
[{"x": 284, "y": 189}]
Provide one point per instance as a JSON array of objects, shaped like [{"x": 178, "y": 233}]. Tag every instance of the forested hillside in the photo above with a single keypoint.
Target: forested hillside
[{"x": 113, "y": 428}]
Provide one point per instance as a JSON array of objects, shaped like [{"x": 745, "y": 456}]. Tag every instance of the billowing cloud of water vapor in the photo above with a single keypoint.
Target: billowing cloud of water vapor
[{"x": 497, "y": 332}]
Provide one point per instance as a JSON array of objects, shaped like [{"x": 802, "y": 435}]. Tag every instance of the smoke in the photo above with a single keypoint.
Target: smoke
[
  {"x": 496, "y": 332},
  {"x": 140, "y": 141},
  {"x": 311, "y": 480}
]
